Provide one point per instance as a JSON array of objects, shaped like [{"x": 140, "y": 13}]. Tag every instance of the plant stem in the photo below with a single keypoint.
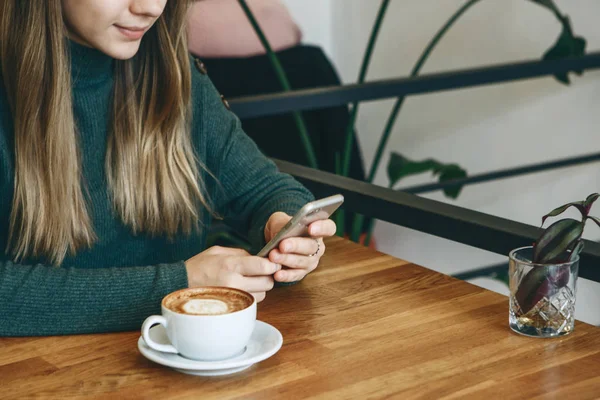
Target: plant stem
[
  {"x": 416, "y": 69},
  {"x": 340, "y": 215},
  {"x": 349, "y": 140},
  {"x": 361, "y": 78},
  {"x": 550, "y": 5},
  {"x": 282, "y": 77},
  {"x": 369, "y": 235},
  {"x": 371, "y": 225},
  {"x": 357, "y": 224}
]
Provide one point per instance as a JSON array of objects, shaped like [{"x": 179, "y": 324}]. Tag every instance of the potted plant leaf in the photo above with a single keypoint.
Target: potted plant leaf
[{"x": 543, "y": 277}]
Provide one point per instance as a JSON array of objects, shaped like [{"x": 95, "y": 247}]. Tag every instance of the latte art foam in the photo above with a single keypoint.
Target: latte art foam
[
  {"x": 208, "y": 301},
  {"x": 205, "y": 307}
]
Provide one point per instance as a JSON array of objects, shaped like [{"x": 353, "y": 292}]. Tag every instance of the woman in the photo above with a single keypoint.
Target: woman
[{"x": 115, "y": 156}]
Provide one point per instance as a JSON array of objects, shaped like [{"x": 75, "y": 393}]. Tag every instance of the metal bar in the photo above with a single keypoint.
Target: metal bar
[
  {"x": 310, "y": 99},
  {"x": 502, "y": 174},
  {"x": 458, "y": 224},
  {"x": 493, "y": 270}
]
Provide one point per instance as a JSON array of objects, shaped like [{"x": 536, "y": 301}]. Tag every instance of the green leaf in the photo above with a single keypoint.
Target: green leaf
[
  {"x": 557, "y": 211},
  {"x": 566, "y": 46},
  {"x": 400, "y": 167},
  {"x": 556, "y": 240},
  {"x": 450, "y": 173},
  {"x": 549, "y": 4},
  {"x": 590, "y": 201}
]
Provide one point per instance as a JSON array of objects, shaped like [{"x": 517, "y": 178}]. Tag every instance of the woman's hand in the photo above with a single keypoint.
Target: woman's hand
[
  {"x": 300, "y": 255},
  {"x": 235, "y": 268}
]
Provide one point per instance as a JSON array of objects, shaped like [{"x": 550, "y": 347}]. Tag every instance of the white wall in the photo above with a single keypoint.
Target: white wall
[{"x": 484, "y": 128}]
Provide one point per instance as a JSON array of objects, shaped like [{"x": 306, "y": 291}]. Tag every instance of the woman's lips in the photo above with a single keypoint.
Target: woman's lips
[{"x": 132, "y": 33}]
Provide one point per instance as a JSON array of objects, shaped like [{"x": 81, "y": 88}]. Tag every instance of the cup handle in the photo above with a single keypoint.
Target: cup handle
[{"x": 149, "y": 323}]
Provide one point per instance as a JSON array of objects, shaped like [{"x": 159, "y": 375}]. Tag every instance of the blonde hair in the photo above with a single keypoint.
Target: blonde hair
[{"x": 153, "y": 173}]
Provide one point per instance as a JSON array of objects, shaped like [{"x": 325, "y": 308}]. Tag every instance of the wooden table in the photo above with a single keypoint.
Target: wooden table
[{"x": 364, "y": 325}]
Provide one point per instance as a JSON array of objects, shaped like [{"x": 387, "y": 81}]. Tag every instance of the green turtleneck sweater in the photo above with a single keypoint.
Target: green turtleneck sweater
[{"x": 121, "y": 280}]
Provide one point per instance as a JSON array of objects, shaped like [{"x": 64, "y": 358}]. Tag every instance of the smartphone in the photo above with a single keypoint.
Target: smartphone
[{"x": 298, "y": 226}]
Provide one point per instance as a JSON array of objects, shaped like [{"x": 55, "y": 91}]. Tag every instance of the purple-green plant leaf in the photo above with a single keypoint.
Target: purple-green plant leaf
[
  {"x": 583, "y": 207},
  {"x": 559, "y": 275},
  {"x": 595, "y": 219},
  {"x": 533, "y": 287},
  {"x": 557, "y": 211},
  {"x": 556, "y": 240},
  {"x": 587, "y": 204},
  {"x": 578, "y": 248},
  {"x": 541, "y": 282}
]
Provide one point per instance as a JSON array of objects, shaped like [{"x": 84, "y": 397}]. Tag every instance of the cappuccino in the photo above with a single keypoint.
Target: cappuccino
[
  {"x": 208, "y": 301},
  {"x": 204, "y": 323}
]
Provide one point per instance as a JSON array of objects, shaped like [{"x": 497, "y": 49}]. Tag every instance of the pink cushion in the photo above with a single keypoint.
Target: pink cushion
[{"x": 219, "y": 28}]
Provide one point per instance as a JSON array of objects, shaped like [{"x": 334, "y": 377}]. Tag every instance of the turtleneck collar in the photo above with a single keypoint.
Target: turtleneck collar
[{"x": 89, "y": 66}]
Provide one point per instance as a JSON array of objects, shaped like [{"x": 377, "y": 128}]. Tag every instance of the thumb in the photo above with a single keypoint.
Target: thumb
[{"x": 275, "y": 223}]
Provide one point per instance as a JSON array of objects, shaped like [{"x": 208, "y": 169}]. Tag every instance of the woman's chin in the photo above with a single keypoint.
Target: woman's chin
[{"x": 121, "y": 50}]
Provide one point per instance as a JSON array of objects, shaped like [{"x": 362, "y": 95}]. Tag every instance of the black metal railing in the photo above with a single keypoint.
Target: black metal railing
[
  {"x": 311, "y": 99},
  {"x": 458, "y": 224},
  {"x": 473, "y": 228}
]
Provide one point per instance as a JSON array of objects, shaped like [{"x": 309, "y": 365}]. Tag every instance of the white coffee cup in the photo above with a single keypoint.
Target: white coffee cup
[{"x": 208, "y": 324}]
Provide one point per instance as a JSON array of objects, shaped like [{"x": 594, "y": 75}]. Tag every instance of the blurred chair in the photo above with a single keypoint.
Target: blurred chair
[
  {"x": 220, "y": 29},
  {"x": 222, "y": 37}
]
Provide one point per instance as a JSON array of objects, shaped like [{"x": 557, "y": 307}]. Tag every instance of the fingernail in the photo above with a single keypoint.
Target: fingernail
[{"x": 278, "y": 266}]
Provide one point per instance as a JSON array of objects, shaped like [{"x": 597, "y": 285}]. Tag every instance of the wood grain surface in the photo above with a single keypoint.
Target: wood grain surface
[{"x": 364, "y": 325}]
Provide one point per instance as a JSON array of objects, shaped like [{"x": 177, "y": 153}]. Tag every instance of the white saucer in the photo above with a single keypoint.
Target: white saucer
[{"x": 265, "y": 341}]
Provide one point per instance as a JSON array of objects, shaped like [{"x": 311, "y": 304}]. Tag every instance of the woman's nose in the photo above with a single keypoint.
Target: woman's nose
[{"x": 150, "y": 8}]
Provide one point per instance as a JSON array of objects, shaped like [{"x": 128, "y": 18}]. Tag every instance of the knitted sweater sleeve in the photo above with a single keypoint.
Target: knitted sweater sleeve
[
  {"x": 251, "y": 186},
  {"x": 40, "y": 300}
]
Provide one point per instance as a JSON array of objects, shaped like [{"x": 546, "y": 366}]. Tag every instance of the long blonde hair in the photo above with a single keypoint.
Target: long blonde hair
[{"x": 153, "y": 173}]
